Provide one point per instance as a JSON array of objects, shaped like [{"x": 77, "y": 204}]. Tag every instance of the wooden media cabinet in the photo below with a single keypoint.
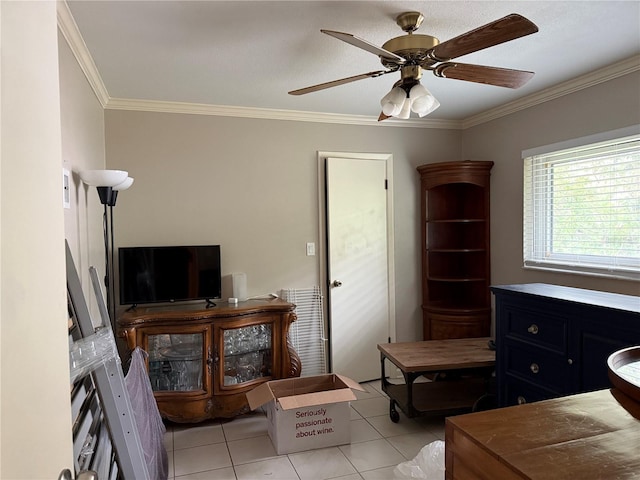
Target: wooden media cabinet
[{"x": 202, "y": 361}]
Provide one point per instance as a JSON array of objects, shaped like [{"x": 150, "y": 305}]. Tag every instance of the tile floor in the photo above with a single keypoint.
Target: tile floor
[{"x": 240, "y": 449}]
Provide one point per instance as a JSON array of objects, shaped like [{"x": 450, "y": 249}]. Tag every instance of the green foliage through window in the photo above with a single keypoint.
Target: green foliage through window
[{"x": 582, "y": 209}]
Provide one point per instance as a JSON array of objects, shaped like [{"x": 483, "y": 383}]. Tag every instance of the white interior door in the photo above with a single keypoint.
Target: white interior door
[{"x": 358, "y": 273}]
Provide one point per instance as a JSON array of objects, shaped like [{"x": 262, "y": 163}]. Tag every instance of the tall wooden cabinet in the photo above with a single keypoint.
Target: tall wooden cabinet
[
  {"x": 456, "y": 301},
  {"x": 202, "y": 361}
]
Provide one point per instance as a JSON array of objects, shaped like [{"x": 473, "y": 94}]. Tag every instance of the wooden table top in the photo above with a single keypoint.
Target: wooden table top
[
  {"x": 439, "y": 355},
  {"x": 593, "y": 435}
]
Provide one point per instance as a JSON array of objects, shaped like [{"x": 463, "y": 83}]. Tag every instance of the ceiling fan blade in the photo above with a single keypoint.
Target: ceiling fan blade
[
  {"x": 335, "y": 83},
  {"x": 501, "y": 77},
  {"x": 363, "y": 44},
  {"x": 503, "y": 30}
]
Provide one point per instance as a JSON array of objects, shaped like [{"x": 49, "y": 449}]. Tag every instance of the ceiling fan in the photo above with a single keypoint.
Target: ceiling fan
[{"x": 412, "y": 53}]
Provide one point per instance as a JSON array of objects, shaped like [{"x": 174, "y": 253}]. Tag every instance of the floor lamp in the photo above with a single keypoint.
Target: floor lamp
[{"x": 108, "y": 183}]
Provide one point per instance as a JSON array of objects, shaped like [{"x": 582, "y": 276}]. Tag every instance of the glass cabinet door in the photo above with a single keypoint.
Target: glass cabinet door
[
  {"x": 176, "y": 361},
  {"x": 247, "y": 353}
]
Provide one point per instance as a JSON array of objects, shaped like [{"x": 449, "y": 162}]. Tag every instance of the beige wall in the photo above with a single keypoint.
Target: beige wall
[
  {"x": 82, "y": 118},
  {"x": 35, "y": 413},
  {"x": 608, "y": 106},
  {"x": 251, "y": 186}
]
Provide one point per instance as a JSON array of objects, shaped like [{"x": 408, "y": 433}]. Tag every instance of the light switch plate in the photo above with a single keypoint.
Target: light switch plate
[
  {"x": 311, "y": 249},
  {"x": 66, "y": 188}
]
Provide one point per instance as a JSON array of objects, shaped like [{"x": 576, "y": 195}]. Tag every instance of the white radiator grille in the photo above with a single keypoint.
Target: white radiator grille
[{"x": 307, "y": 332}]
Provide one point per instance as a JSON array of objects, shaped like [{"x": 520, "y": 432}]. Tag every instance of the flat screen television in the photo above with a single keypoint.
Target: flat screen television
[{"x": 169, "y": 274}]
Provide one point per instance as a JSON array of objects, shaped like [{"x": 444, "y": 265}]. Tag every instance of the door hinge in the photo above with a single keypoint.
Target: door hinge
[{"x": 386, "y": 184}]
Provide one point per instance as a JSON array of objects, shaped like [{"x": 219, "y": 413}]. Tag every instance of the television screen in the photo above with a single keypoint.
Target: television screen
[{"x": 169, "y": 274}]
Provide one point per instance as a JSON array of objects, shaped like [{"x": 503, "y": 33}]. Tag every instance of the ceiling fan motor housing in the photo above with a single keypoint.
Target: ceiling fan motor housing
[{"x": 411, "y": 47}]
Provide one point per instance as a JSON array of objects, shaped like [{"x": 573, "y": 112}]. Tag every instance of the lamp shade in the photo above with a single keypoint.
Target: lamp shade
[
  {"x": 425, "y": 105},
  {"x": 406, "y": 109},
  {"x": 422, "y": 102},
  {"x": 103, "y": 178},
  {"x": 124, "y": 185},
  {"x": 392, "y": 102}
]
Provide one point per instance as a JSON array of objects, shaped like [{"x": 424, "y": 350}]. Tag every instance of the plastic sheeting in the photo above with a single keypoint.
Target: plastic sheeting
[
  {"x": 429, "y": 464},
  {"x": 89, "y": 353},
  {"x": 147, "y": 416}
]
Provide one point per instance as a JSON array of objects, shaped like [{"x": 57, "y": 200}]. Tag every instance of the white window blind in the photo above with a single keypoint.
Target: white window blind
[{"x": 582, "y": 209}]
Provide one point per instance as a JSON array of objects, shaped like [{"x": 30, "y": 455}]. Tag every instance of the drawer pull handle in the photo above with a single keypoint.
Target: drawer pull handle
[
  {"x": 534, "y": 368},
  {"x": 533, "y": 329},
  {"x": 521, "y": 400}
]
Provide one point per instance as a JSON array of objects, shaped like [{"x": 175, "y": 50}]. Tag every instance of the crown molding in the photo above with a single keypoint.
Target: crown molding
[
  {"x": 596, "y": 77},
  {"x": 69, "y": 29},
  {"x": 271, "y": 114}
]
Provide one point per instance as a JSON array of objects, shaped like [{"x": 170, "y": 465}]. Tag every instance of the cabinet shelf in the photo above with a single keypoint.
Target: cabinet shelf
[
  {"x": 456, "y": 308},
  {"x": 455, "y": 249},
  {"x": 455, "y": 279},
  {"x": 457, "y": 220}
]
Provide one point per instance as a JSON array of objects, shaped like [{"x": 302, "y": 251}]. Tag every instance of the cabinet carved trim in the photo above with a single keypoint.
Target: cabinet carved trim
[{"x": 202, "y": 361}]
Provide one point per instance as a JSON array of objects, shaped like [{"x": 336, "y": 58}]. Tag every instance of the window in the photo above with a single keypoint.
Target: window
[{"x": 582, "y": 206}]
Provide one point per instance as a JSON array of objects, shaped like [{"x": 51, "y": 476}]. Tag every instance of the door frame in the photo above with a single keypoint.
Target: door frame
[{"x": 387, "y": 158}]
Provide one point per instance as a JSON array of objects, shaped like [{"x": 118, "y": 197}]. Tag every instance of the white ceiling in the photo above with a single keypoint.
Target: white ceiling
[{"x": 250, "y": 54}]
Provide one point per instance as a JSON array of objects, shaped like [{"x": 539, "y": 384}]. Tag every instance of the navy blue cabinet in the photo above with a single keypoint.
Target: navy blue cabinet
[{"x": 554, "y": 340}]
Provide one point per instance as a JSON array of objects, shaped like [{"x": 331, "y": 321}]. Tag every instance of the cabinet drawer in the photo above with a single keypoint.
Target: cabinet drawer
[
  {"x": 536, "y": 327},
  {"x": 538, "y": 367},
  {"x": 518, "y": 392}
]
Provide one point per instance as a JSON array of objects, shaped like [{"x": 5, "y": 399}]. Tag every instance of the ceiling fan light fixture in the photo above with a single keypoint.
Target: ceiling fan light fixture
[
  {"x": 393, "y": 102},
  {"x": 411, "y": 54},
  {"x": 422, "y": 101},
  {"x": 424, "y": 106},
  {"x": 406, "y": 109}
]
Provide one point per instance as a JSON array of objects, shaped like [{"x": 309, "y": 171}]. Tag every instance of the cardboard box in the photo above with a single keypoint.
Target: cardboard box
[{"x": 308, "y": 412}]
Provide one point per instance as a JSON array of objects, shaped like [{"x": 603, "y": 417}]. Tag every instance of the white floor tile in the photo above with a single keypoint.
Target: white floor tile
[
  {"x": 362, "y": 431},
  {"x": 375, "y": 386},
  {"x": 170, "y": 462},
  {"x": 246, "y": 426},
  {"x": 321, "y": 464},
  {"x": 372, "y": 455},
  {"x": 369, "y": 392},
  {"x": 353, "y": 414},
  {"x": 240, "y": 449},
  {"x": 409, "y": 445},
  {"x": 372, "y": 407},
  {"x": 251, "y": 450},
  {"x": 385, "y": 473},
  {"x": 168, "y": 439},
  {"x": 218, "y": 474},
  {"x": 434, "y": 424},
  {"x": 387, "y": 428},
  {"x": 200, "y": 459},
  {"x": 187, "y": 436},
  {"x": 276, "y": 468}
]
